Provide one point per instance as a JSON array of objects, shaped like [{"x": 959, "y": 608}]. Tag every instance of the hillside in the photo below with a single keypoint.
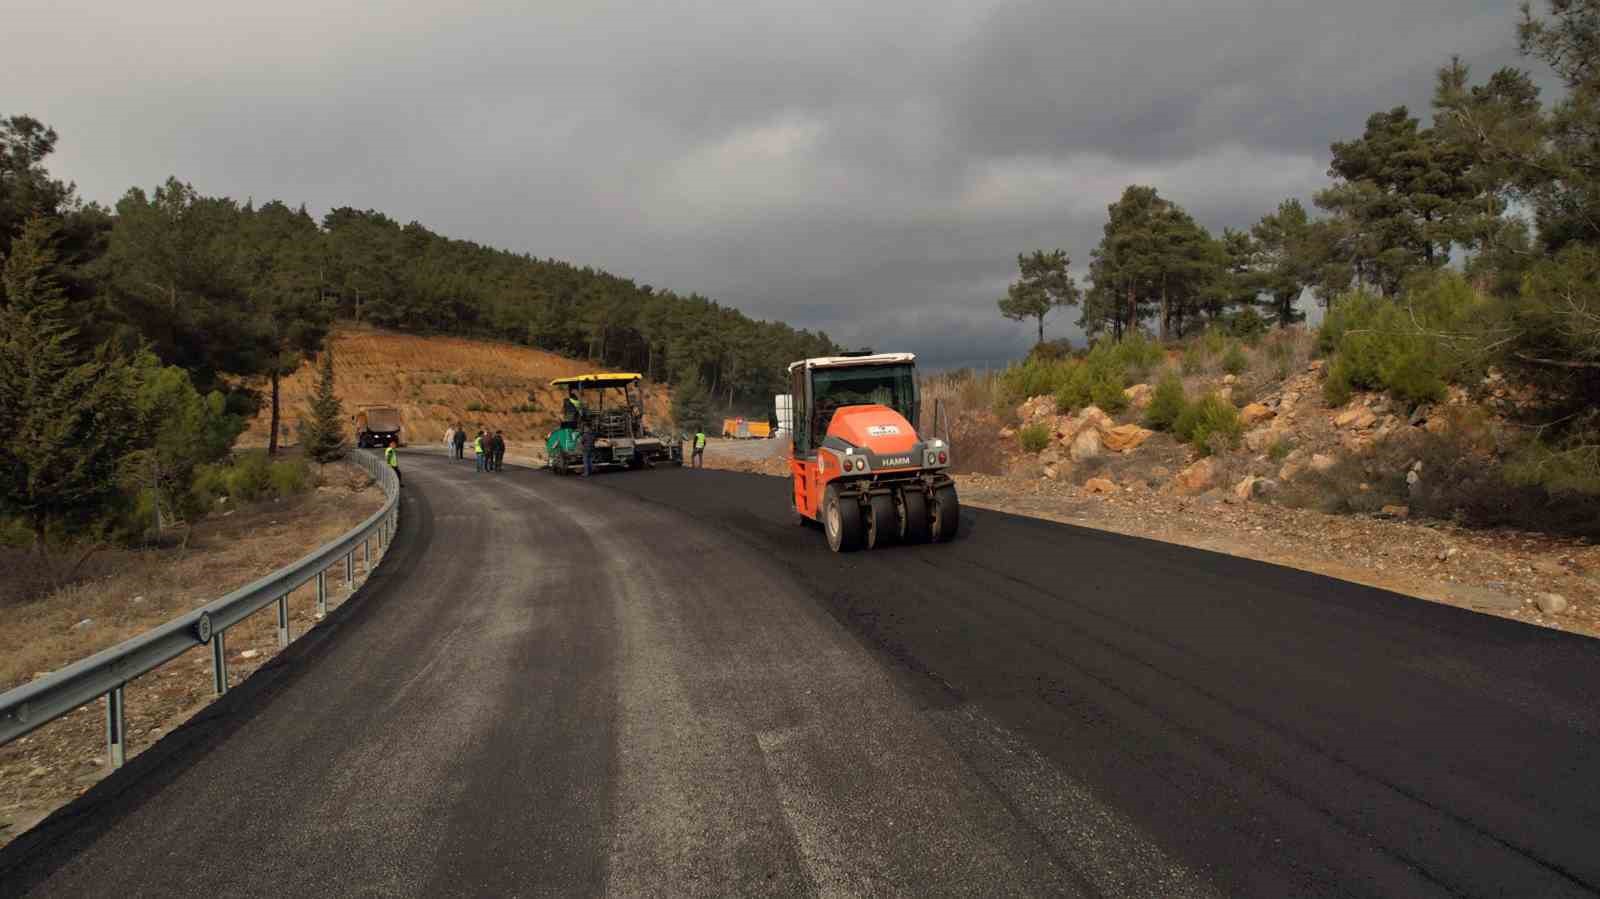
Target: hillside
[{"x": 439, "y": 381}]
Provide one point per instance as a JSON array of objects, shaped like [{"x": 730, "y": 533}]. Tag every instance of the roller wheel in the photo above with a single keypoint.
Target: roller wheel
[
  {"x": 558, "y": 463},
  {"x": 841, "y": 519},
  {"x": 946, "y": 514},
  {"x": 883, "y": 522},
  {"x": 917, "y": 525}
]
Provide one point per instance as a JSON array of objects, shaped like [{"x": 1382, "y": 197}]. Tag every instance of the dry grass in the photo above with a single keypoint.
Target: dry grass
[
  {"x": 52, "y": 765},
  {"x": 434, "y": 381}
]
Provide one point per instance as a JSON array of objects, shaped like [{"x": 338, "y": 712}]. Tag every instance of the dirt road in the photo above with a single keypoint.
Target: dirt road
[{"x": 652, "y": 683}]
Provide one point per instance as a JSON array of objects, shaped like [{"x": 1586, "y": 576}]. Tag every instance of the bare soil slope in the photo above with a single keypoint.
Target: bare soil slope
[{"x": 440, "y": 381}]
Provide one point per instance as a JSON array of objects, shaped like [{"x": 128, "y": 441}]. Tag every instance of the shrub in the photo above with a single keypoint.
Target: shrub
[
  {"x": 1033, "y": 377},
  {"x": 250, "y": 477},
  {"x": 476, "y": 406},
  {"x": 1246, "y": 324},
  {"x": 1280, "y": 449},
  {"x": 1167, "y": 403},
  {"x": 1398, "y": 344},
  {"x": 1106, "y": 392},
  {"x": 1209, "y": 424},
  {"x": 1194, "y": 359},
  {"x": 1234, "y": 361},
  {"x": 1051, "y": 350},
  {"x": 1139, "y": 354},
  {"x": 1035, "y": 437}
]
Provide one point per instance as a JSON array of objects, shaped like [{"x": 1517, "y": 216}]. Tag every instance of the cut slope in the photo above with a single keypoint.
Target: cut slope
[{"x": 440, "y": 381}]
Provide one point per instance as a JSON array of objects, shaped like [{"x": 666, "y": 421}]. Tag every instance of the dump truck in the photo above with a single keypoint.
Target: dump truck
[
  {"x": 611, "y": 405},
  {"x": 858, "y": 465},
  {"x": 377, "y": 425}
]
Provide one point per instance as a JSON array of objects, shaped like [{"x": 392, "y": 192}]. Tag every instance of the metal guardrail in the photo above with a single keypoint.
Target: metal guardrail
[{"x": 105, "y": 673}]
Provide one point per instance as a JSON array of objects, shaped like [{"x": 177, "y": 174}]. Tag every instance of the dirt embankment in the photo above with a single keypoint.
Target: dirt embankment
[
  {"x": 440, "y": 381},
  {"x": 136, "y": 591}
]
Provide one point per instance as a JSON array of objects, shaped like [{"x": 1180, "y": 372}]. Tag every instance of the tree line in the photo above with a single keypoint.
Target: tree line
[
  {"x": 1500, "y": 184},
  {"x": 138, "y": 340}
]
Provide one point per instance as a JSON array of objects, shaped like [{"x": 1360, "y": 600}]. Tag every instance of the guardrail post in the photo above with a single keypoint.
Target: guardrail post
[
  {"x": 116, "y": 728},
  {"x": 219, "y": 663},
  {"x": 283, "y": 621},
  {"x": 350, "y": 571}
]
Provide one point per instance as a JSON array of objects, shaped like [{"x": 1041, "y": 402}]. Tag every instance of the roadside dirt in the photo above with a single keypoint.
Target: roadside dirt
[
  {"x": 135, "y": 591},
  {"x": 1497, "y": 572},
  {"x": 440, "y": 381}
]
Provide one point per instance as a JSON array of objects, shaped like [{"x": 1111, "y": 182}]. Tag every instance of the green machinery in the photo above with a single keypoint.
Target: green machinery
[{"x": 611, "y": 406}]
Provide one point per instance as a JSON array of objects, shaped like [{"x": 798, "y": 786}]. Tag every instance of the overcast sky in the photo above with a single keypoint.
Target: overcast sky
[{"x": 871, "y": 169}]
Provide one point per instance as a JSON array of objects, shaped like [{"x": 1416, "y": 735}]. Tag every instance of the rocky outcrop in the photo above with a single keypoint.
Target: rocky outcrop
[
  {"x": 1125, "y": 438},
  {"x": 1138, "y": 395},
  {"x": 1086, "y": 445},
  {"x": 1197, "y": 478},
  {"x": 1100, "y": 486}
]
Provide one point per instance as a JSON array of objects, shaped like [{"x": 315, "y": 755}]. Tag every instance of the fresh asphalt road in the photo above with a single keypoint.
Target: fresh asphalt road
[{"x": 653, "y": 683}]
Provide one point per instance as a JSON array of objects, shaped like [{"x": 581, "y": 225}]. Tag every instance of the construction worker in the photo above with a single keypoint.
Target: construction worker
[
  {"x": 699, "y": 460},
  {"x": 392, "y": 457},
  {"x": 572, "y": 410},
  {"x": 477, "y": 449},
  {"x": 459, "y": 446},
  {"x": 588, "y": 451},
  {"x": 497, "y": 450}
]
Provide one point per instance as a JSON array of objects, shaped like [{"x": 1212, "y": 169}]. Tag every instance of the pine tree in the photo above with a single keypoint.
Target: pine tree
[
  {"x": 691, "y": 405},
  {"x": 1043, "y": 287},
  {"x": 68, "y": 418},
  {"x": 325, "y": 438}
]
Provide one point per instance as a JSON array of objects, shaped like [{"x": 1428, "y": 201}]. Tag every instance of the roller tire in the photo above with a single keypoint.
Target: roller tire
[
  {"x": 918, "y": 526},
  {"x": 946, "y": 514},
  {"x": 883, "y": 522},
  {"x": 841, "y": 521}
]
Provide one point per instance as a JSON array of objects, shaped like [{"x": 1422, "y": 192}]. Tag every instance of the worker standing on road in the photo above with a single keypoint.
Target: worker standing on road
[
  {"x": 498, "y": 448},
  {"x": 460, "y": 442},
  {"x": 588, "y": 451},
  {"x": 449, "y": 438},
  {"x": 392, "y": 457},
  {"x": 699, "y": 460},
  {"x": 477, "y": 450}
]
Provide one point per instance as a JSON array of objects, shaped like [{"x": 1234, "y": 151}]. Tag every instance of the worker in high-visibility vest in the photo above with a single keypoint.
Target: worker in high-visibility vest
[
  {"x": 699, "y": 449},
  {"x": 477, "y": 449},
  {"x": 392, "y": 457}
]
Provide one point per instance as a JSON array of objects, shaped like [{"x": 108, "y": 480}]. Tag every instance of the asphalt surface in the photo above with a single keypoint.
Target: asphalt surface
[{"x": 654, "y": 683}]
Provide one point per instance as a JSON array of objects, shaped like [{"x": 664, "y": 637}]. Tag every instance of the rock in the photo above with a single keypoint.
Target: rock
[
  {"x": 1315, "y": 365},
  {"x": 1448, "y": 553},
  {"x": 1035, "y": 408},
  {"x": 1436, "y": 426},
  {"x": 1052, "y": 472},
  {"x": 84, "y": 625},
  {"x": 1230, "y": 379},
  {"x": 1197, "y": 477},
  {"x": 1100, "y": 486},
  {"x": 1551, "y": 603},
  {"x": 1138, "y": 395},
  {"x": 1226, "y": 393},
  {"x": 1289, "y": 470},
  {"x": 1255, "y": 412},
  {"x": 1395, "y": 511},
  {"x": 1125, "y": 438},
  {"x": 1356, "y": 444},
  {"x": 1086, "y": 445},
  {"x": 1419, "y": 415},
  {"x": 249, "y": 654},
  {"x": 1266, "y": 487},
  {"x": 1051, "y": 456},
  {"x": 1094, "y": 415},
  {"x": 1321, "y": 463},
  {"x": 1261, "y": 438},
  {"x": 37, "y": 773},
  {"x": 1549, "y": 568},
  {"x": 222, "y": 500},
  {"x": 1288, "y": 401},
  {"x": 137, "y": 600},
  {"x": 1246, "y": 488},
  {"x": 1359, "y": 417},
  {"x": 1007, "y": 433},
  {"x": 1160, "y": 471},
  {"x": 1412, "y": 478},
  {"x": 1417, "y": 466}
]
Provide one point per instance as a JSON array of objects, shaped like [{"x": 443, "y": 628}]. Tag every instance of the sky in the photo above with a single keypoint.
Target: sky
[{"x": 868, "y": 169}]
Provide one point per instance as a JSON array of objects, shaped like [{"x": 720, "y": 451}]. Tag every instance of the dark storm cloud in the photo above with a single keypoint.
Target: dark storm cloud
[{"x": 868, "y": 169}]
